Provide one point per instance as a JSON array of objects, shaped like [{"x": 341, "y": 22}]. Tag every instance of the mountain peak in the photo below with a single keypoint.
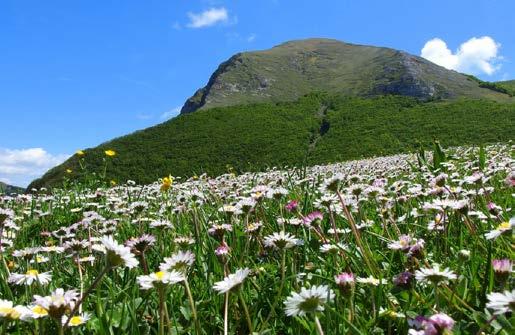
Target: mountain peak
[{"x": 294, "y": 68}]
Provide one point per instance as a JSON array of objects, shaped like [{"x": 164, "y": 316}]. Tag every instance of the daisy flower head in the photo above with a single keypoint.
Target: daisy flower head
[
  {"x": 501, "y": 303},
  {"x": 345, "y": 282},
  {"x": 58, "y": 302},
  {"x": 9, "y": 311},
  {"x": 503, "y": 228},
  {"x": 232, "y": 281},
  {"x": 435, "y": 275},
  {"x": 180, "y": 261},
  {"x": 332, "y": 248},
  {"x": 403, "y": 280},
  {"x": 140, "y": 244},
  {"x": 313, "y": 218},
  {"x": 308, "y": 300},
  {"x": 30, "y": 277},
  {"x": 333, "y": 184},
  {"x": 403, "y": 243},
  {"x": 117, "y": 254},
  {"x": 184, "y": 241},
  {"x": 160, "y": 279},
  {"x": 437, "y": 324},
  {"x": 371, "y": 281},
  {"x": 36, "y": 312},
  {"x": 292, "y": 206},
  {"x": 76, "y": 320},
  {"x": 281, "y": 240},
  {"x": 502, "y": 268}
]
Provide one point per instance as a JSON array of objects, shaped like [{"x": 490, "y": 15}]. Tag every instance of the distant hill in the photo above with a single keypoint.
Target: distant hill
[
  {"x": 292, "y": 69},
  {"x": 8, "y": 189},
  {"x": 317, "y": 128},
  {"x": 307, "y": 102}
]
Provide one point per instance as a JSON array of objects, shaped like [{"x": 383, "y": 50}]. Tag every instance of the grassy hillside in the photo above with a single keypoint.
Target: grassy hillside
[
  {"x": 295, "y": 68},
  {"x": 7, "y": 189},
  {"x": 317, "y": 128}
]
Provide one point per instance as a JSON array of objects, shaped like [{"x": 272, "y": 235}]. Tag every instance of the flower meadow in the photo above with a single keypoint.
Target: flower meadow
[{"x": 391, "y": 245}]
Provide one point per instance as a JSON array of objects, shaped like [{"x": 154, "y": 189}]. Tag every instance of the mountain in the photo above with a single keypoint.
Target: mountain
[
  {"x": 305, "y": 102},
  {"x": 292, "y": 69},
  {"x": 8, "y": 189}
]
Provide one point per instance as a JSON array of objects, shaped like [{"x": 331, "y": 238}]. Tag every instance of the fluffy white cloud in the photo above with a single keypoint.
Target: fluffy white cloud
[
  {"x": 20, "y": 167},
  {"x": 475, "y": 56},
  {"x": 208, "y": 17}
]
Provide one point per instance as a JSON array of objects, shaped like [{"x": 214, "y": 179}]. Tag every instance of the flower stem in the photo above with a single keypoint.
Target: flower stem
[
  {"x": 319, "y": 326},
  {"x": 247, "y": 315},
  {"x": 161, "y": 312},
  {"x": 226, "y": 314},
  {"x": 192, "y": 305},
  {"x": 89, "y": 290}
]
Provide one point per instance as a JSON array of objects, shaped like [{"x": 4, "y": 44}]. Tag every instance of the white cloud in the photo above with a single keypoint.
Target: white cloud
[
  {"x": 208, "y": 17},
  {"x": 21, "y": 166},
  {"x": 171, "y": 113},
  {"x": 475, "y": 56},
  {"x": 251, "y": 38}
]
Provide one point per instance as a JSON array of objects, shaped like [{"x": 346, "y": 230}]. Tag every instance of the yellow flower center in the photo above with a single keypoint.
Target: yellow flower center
[
  {"x": 32, "y": 273},
  {"x": 39, "y": 310},
  {"x": 110, "y": 153},
  {"x": 5, "y": 310},
  {"x": 504, "y": 225},
  {"x": 160, "y": 275},
  {"x": 76, "y": 320},
  {"x": 14, "y": 314}
]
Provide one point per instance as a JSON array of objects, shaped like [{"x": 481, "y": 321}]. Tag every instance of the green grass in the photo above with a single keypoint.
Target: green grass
[{"x": 260, "y": 136}]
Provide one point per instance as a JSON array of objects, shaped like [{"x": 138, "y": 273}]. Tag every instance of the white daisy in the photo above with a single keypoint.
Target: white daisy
[
  {"x": 36, "y": 312},
  {"x": 76, "y": 320},
  {"x": 232, "y": 281},
  {"x": 57, "y": 303},
  {"x": 179, "y": 261},
  {"x": 308, "y": 300},
  {"x": 11, "y": 312},
  {"x": 281, "y": 240},
  {"x": 501, "y": 302},
  {"x": 29, "y": 277},
  {"x": 434, "y": 274},
  {"x": 117, "y": 254},
  {"x": 504, "y": 227},
  {"x": 371, "y": 281},
  {"x": 159, "y": 279}
]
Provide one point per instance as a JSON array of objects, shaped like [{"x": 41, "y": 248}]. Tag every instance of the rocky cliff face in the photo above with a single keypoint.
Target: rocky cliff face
[{"x": 295, "y": 68}]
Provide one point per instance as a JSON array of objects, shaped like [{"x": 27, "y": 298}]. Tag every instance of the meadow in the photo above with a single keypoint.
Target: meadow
[{"x": 418, "y": 244}]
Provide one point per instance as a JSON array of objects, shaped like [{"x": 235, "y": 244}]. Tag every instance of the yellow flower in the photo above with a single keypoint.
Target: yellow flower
[
  {"x": 110, "y": 153},
  {"x": 166, "y": 183},
  {"x": 80, "y": 153},
  {"x": 504, "y": 225},
  {"x": 113, "y": 183},
  {"x": 69, "y": 171}
]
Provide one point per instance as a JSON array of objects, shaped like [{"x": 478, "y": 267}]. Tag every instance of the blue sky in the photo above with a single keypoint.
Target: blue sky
[{"x": 74, "y": 74}]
